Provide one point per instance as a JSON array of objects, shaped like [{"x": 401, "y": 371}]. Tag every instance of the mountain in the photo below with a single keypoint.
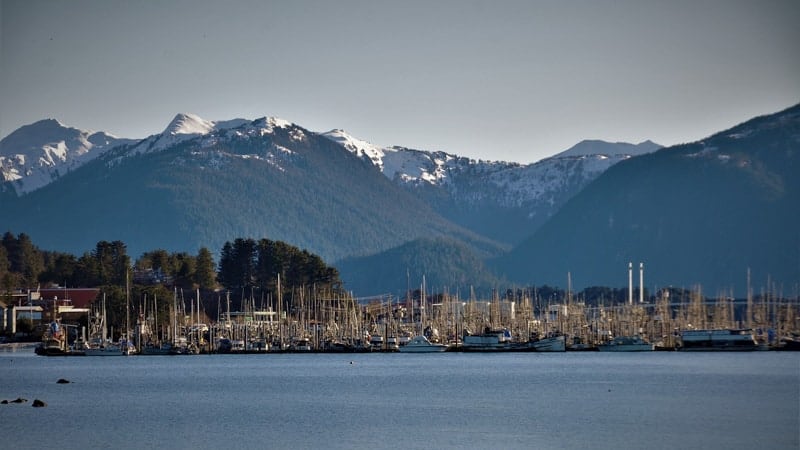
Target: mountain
[
  {"x": 37, "y": 154},
  {"x": 445, "y": 263},
  {"x": 369, "y": 208},
  {"x": 696, "y": 214},
  {"x": 201, "y": 183},
  {"x": 597, "y": 147},
  {"x": 504, "y": 201}
]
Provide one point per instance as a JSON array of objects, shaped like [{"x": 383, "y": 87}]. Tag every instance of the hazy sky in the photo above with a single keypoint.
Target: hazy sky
[{"x": 500, "y": 80}]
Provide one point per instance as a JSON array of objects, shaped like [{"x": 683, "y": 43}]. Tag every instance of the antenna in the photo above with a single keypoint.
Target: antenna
[{"x": 641, "y": 282}]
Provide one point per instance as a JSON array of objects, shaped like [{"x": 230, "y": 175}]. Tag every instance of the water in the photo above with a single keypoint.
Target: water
[{"x": 660, "y": 400}]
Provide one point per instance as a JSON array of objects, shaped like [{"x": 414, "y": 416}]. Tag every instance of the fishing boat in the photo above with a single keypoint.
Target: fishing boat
[
  {"x": 376, "y": 343},
  {"x": 421, "y": 344},
  {"x": 54, "y": 342},
  {"x": 627, "y": 344},
  {"x": 731, "y": 340},
  {"x": 301, "y": 345},
  {"x": 104, "y": 348},
  {"x": 392, "y": 344},
  {"x": 554, "y": 342},
  {"x": 489, "y": 340},
  {"x": 150, "y": 348}
]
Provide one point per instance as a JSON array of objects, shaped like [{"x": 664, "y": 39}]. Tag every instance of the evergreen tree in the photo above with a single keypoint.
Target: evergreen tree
[
  {"x": 113, "y": 262},
  {"x": 237, "y": 265},
  {"x": 29, "y": 260},
  {"x": 184, "y": 266},
  {"x": 12, "y": 251},
  {"x": 87, "y": 271},
  {"x": 205, "y": 275},
  {"x": 59, "y": 268},
  {"x": 4, "y": 265}
]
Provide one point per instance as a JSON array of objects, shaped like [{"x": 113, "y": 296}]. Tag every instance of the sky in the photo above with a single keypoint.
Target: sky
[{"x": 494, "y": 80}]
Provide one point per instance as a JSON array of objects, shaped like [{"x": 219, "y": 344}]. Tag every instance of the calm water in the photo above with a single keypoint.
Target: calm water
[{"x": 454, "y": 400}]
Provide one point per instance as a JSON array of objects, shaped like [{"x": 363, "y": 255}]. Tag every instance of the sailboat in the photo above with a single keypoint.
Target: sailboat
[
  {"x": 99, "y": 344},
  {"x": 420, "y": 343}
]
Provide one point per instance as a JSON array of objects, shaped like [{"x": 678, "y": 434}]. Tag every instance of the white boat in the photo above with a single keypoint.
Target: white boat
[
  {"x": 627, "y": 344},
  {"x": 376, "y": 343},
  {"x": 421, "y": 344},
  {"x": 489, "y": 340},
  {"x": 103, "y": 348},
  {"x": 554, "y": 343},
  {"x": 730, "y": 340},
  {"x": 301, "y": 345}
]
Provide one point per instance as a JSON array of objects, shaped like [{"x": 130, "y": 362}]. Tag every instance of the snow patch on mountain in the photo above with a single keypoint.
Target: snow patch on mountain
[
  {"x": 358, "y": 147},
  {"x": 36, "y": 154},
  {"x": 512, "y": 185},
  {"x": 187, "y": 123},
  {"x": 187, "y": 126}
]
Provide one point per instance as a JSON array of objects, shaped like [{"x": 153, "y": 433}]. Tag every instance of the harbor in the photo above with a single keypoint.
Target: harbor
[{"x": 525, "y": 323}]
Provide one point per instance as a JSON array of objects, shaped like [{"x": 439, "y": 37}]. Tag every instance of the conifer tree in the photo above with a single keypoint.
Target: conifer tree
[{"x": 205, "y": 275}]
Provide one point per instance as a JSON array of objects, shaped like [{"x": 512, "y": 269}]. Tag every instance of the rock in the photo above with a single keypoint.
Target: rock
[
  {"x": 38, "y": 404},
  {"x": 4, "y": 402},
  {"x": 63, "y": 381},
  {"x": 19, "y": 400}
]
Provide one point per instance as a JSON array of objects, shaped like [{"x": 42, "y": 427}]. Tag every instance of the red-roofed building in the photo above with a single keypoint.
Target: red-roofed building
[{"x": 78, "y": 297}]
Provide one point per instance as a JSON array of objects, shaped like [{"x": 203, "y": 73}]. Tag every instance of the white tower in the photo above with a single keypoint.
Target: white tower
[{"x": 630, "y": 283}]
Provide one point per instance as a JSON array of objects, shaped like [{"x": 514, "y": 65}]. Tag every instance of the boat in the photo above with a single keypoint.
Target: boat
[
  {"x": 392, "y": 344},
  {"x": 554, "y": 342},
  {"x": 627, "y": 344},
  {"x": 55, "y": 341},
  {"x": 421, "y": 344},
  {"x": 155, "y": 349},
  {"x": 489, "y": 340},
  {"x": 578, "y": 345},
  {"x": 104, "y": 348},
  {"x": 727, "y": 339},
  {"x": 301, "y": 345},
  {"x": 376, "y": 343}
]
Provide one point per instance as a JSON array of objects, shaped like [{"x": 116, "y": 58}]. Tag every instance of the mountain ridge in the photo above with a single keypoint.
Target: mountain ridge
[{"x": 701, "y": 213}]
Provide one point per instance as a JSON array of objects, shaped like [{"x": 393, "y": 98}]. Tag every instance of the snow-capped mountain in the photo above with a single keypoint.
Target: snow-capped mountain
[
  {"x": 36, "y": 154},
  {"x": 183, "y": 127},
  {"x": 504, "y": 201},
  {"x": 201, "y": 183},
  {"x": 459, "y": 186}
]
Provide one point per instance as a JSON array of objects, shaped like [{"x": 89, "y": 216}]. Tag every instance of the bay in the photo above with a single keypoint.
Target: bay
[{"x": 659, "y": 400}]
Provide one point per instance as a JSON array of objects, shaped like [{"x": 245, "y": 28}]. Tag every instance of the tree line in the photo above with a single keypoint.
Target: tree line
[{"x": 244, "y": 264}]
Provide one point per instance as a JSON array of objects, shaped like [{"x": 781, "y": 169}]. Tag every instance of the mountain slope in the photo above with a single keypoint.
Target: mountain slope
[
  {"x": 504, "y": 201},
  {"x": 447, "y": 265},
  {"x": 265, "y": 178},
  {"x": 36, "y": 154},
  {"x": 700, "y": 213}
]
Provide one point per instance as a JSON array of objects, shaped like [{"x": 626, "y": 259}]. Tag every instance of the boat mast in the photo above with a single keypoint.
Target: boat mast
[{"x": 127, "y": 305}]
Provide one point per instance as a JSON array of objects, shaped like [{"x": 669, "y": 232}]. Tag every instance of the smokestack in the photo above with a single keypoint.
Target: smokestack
[
  {"x": 630, "y": 283},
  {"x": 641, "y": 282}
]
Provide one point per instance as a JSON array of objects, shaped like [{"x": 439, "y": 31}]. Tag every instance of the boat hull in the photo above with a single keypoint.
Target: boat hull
[
  {"x": 421, "y": 344},
  {"x": 627, "y": 344},
  {"x": 725, "y": 340},
  {"x": 626, "y": 348},
  {"x": 550, "y": 344}
]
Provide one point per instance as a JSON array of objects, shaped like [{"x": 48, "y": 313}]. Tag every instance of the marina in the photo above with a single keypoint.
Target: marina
[{"x": 521, "y": 324}]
